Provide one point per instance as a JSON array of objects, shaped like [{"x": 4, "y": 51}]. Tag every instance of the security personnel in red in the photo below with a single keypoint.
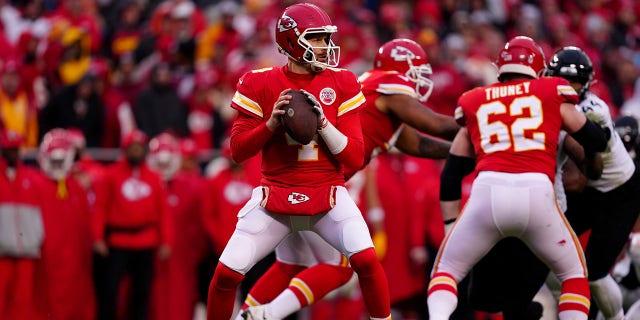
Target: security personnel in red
[{"x": 132, "y": 223}]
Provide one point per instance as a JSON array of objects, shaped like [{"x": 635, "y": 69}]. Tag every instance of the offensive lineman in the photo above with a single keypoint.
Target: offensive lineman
[{"x": 514, "y": 141}]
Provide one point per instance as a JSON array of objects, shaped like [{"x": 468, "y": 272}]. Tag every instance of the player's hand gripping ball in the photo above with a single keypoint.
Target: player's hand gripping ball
[{"x": 300, "y": 121}]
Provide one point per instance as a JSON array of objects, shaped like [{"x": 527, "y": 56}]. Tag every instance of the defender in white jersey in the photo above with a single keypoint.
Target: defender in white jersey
[{"x": 610, "y": 205}]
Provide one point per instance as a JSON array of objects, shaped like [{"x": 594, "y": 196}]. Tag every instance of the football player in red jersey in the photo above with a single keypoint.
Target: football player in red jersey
[
  {"x": 302, "y": 186},
  {"x": 395, "y": 90},
  {"x": 511, "y": 128}
]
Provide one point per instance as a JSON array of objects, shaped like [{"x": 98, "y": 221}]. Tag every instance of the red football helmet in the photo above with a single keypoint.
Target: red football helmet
[
  {"x": 296, "y": 23},
  {"x": 521, "y": 55},
  {"x": 164, "y": 155},
  {"x": 56, "y": 154},
  {"x": 406, "y": 56}
]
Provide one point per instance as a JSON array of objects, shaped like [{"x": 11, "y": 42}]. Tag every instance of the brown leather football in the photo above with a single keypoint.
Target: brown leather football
[{"x": 299, "y": 120}]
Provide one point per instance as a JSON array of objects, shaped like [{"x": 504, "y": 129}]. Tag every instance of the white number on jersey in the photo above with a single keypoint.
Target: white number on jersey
[
  {"x": 505, "y": 136},
  {"x": 306, "y": 152}
]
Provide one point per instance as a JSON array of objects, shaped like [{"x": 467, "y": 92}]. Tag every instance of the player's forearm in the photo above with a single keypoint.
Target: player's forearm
[
  {"x": 413, "y": 143},
  {"x": 247, "y": 138}
]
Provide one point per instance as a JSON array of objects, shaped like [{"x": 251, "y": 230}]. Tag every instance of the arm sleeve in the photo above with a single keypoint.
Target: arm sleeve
[
  {"x": 455, "y": 169},
  {"x": 592, "y": 137},
  {"x": 352, "y": 157},
  {"x": 248, "y": 136}
]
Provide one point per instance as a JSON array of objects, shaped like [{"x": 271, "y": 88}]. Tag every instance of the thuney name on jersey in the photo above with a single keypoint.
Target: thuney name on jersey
[{"x": 507, "y": 90}]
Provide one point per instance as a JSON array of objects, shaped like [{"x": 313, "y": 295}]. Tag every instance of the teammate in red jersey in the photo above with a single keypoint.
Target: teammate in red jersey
[
  {"x": 512, "y": 129},
  {"x": 302, "y": 186},
  {"x": 394, "y": 89}
]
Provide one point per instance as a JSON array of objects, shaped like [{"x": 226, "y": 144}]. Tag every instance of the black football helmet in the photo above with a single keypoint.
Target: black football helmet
[
  {"x": 572, "y": 64},
  {"x": 627, "y": 128}
]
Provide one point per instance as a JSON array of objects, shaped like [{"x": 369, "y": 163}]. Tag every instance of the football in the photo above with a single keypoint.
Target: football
[{"x": 299, "y": 120}]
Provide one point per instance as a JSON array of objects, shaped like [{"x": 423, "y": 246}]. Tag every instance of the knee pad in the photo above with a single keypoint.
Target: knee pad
[
  {"x": 364, "y": 261},
  {"x": 239, "y": 254}
]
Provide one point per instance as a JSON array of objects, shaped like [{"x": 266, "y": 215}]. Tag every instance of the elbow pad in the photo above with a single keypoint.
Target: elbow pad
[
  {"x": 455, "y": 169},
  {"x": 592, "y": 137}
]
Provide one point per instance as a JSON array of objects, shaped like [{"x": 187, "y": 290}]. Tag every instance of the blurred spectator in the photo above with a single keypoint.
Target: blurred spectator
[
  {"x": 17, "y": 110},
  {"x": 625, "y": 75},
  {"x": 75, "y": 56},
  {"x": 447, "y": 64},
  {"x": 85, "y": 170},
  {"x": 32, "y": 70},
  {"x": 21, "y": 228},
  {"x": 131, "y": 225},
  {"x": 406, "y": 256},
  {"x": 26, "y": 16},
  {"x": 175, "y": 288},
  {"x": 125, "y": 30},
  {"x": 220, "y": 37},
  {"x": 128, "y": 79},
  {"x": 206, "y": 125},
  {"x": 119, "y": 120},
  {"x": 158, "y": 108},
  {"x": 229, "y": 186},
  {"x": 63, "y": 273},
  {"x": 189, "y": 152},
  {"x": 76, "y": 106},
  {"x": 81, "y": 14}
]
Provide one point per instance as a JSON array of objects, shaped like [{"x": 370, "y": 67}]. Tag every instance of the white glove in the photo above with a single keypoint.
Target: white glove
[
  {"x": 335, "y": 140},
  {"x": 322, "y": 120}
]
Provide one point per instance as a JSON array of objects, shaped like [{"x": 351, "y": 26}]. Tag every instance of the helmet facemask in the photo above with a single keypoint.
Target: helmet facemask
[
  {"x": 165, "y": 162},
  {"x": 332, "y": 50},
  {"x": 420, "y": 76},
  {"x": 56, "y": 163}
]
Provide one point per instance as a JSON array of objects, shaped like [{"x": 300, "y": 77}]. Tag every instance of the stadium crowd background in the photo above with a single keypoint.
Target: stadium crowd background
[
  {"x": 109, "y": 49},
  {"x": 107, "y": 67}
]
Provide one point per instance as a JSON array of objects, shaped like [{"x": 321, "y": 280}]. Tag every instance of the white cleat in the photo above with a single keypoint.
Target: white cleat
[{"x": 257, "y": 313}]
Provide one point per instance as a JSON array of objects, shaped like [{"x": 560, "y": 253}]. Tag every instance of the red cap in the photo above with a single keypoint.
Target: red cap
[
  {"x": 10, "y": 139},
  {"x": 76, "y": 136},
  {"x": 188, "y": 148},
  {"x": 135, "y": 136}
]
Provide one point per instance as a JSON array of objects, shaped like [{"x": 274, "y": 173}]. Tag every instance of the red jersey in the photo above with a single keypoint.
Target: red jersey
[
  {"x": 380, "y": 131},
  {"x": 285, "y": 162},
  {"x": 514, "y": 126},
  {"x": 64, "y": 281},
  {"x": 131, "y": 209}
]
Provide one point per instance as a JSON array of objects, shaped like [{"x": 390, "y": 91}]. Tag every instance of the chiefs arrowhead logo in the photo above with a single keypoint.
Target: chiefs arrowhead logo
[
  {"x": 286, "y": 23},
  {"x": 400, "y": 53},
  {"x": 295, "y": 198}
]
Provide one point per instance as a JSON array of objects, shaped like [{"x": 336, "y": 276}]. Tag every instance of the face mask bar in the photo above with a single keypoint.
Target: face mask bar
[
  {"x": 420, "y": 76},
  {"x": 333, "y": 51}
]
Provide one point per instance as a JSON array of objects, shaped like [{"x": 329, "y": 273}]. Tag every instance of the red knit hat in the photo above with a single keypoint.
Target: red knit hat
[{"x": 135, "y": 136}]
